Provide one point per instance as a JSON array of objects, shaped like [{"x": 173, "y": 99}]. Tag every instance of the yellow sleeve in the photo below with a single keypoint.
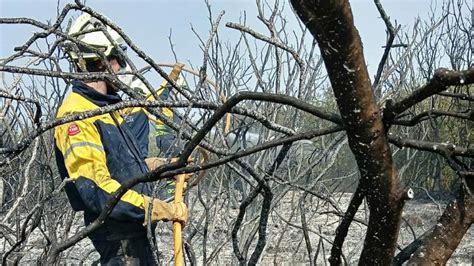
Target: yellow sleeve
[{"x": 85, "y": 161}]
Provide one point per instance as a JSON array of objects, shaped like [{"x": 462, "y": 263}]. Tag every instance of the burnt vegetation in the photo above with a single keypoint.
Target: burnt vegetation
[{"x": 291, "y": 123}]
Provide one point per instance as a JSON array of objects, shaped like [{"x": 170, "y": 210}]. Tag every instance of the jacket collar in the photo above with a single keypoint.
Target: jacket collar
[{"x": 92, "y": 95}]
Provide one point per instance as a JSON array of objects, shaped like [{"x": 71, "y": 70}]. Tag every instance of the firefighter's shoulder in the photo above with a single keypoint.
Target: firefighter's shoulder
[{"x": 74, "y": 103}]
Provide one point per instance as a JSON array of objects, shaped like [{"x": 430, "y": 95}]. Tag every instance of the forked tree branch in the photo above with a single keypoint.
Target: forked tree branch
[{"x": 442, "y": 79}]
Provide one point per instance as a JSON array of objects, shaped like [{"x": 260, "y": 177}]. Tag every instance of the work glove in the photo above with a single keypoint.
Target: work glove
[
  {"x": 155, "y": 162},
  {"x": 163, "y": 211}
]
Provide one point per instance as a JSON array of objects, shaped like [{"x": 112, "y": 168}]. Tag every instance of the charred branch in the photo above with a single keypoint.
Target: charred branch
[
  {"x": 268, "y": 40},
  {"x": 391, "y": 33},
  {"x": 424, "y": 116},
  {"x": 445, "y": 149},
  {"x": 461, "y": 96},
  {"x": 442, "y": 79},
  {"x": 343, "y": 228}
]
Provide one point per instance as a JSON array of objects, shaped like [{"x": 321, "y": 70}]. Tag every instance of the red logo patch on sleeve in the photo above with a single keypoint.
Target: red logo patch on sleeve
[{"x": 73, "y": 130}]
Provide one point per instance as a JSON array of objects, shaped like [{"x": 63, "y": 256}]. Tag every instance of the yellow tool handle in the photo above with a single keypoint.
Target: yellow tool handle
[{"x": 178, "y": 246}]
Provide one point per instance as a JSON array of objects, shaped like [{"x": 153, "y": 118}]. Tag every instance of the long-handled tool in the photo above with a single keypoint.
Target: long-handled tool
[
  {"x": 178, "y": 246},
  {"x": 178, "y": 197}
]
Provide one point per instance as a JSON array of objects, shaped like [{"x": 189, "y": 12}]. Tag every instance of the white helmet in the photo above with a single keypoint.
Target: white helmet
[{"x": 96, "y": 39}]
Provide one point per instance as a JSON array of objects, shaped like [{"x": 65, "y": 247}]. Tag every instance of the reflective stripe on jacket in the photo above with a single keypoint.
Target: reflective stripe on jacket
[{"x": 98, "y": 154}]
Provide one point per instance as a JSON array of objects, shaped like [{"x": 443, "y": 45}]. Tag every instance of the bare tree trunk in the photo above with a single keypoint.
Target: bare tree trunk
[
  {"x": 440, "y": 244},
  {"x": 331, "y": 23}
]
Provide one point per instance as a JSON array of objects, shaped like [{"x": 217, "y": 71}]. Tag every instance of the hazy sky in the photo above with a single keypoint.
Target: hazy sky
[{"x": 148, "y": 22}]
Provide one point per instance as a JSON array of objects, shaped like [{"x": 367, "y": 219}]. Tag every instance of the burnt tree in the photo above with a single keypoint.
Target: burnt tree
[{"x": 331, "y": 23}]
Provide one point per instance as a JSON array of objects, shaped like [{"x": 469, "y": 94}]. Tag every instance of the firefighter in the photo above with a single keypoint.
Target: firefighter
[{"x": 100, "y": 153}]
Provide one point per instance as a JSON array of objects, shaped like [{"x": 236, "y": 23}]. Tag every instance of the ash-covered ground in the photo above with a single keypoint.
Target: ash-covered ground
[{"x": 285, "y": 241}]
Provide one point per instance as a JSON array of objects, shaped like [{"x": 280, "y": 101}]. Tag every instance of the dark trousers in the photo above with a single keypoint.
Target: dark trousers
[{"x": 133, "y": 251}]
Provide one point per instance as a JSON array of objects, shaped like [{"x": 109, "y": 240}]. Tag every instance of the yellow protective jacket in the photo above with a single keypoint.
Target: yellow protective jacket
[{"x": 98, "y": 154}]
